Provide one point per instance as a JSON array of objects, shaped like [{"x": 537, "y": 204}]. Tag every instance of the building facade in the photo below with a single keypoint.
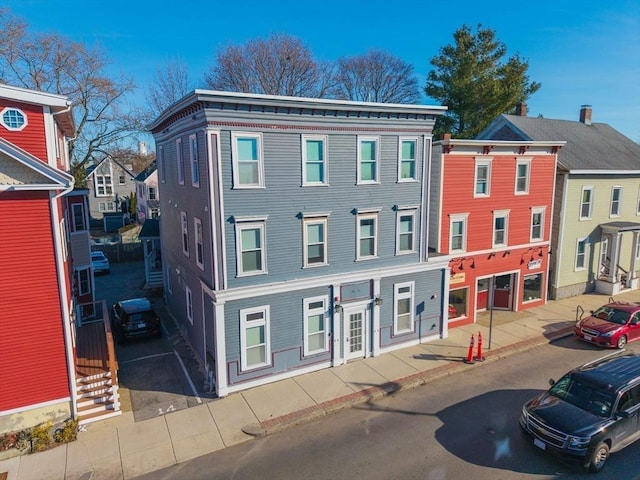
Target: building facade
[
  {"x": 44, "y": 257},
  {"x": 596, "y": 242},
  {"x": 294, "y": 231},
  {"x": 491, "y": 205}
]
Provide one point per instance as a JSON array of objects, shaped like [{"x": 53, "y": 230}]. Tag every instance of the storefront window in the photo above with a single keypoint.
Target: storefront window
[
  {"x": 532, "y": 288},
  {"x": 458, "y": 303}
]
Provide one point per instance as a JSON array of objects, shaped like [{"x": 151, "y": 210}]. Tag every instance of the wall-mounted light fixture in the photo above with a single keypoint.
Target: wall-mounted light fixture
[
  {"x": 459, "y": 263},
  {"x": 336, "y": 305},
  {"x": 377, "y": 301}
]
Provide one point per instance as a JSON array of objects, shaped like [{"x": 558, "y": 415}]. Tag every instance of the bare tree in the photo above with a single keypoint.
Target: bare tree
[
  {"x": 376, "y": 76},
  {"x": 278, "y": 65},
  {"x": 170, "y": 85},
  {"x": 55, "y": 64}
]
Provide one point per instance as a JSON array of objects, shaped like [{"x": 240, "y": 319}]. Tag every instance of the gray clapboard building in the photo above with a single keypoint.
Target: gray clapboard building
[{"x": 294, "y": 231}]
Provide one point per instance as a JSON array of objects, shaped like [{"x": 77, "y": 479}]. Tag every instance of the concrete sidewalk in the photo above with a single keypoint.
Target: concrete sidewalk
[{"x": 120, "y": 448}]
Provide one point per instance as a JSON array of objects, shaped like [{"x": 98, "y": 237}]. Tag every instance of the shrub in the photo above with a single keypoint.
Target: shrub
[{"x": 68, "y": 432}]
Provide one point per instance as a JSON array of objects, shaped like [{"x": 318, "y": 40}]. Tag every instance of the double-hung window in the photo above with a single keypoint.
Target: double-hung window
[
  {"x": 180, "y": 161},
  {"x": 405, "y": 230},
  {"x": 616, "y": 197},
  {"x": 483, "y": 178},
  {"x": 367, "y": 246},
  {"x": 407, "y": 159},
  {"x": 153, "y": 193},
  {"x": 523, "y": 170},
  {"x": 403, "y": 307},
  {"x": 83, "y": 280},
  {"x": 315, "y": 239},
  {"x": 316, "y": 332},
  {"x": 104, "y": 186},
  {"x": 195, "y": 164},
  {"x": 248, "y": 169},
  {"x": 500, "y": 227},
  {"x": 197, "y": 227},
  {"x": 458, "y": 233},
  {"x": 586, "y": 203},
  {"x": 581, "y": 254},
  {"x": 251, "y": 246},
  {"x": 79, "y": 223},
  {"x": 537, "y": 224},
  {"x": 185, "y": 233},
  {"x": 255, "y": 344},
  {"x": 368, "y": 154},
  {"x": 314, "y": 160}
]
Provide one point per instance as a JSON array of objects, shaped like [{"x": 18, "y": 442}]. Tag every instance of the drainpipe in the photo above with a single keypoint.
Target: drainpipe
[{"x": 62, "y": 287}]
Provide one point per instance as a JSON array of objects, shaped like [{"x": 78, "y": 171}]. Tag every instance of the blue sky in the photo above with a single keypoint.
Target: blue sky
[{"x": 581, "y": 52}]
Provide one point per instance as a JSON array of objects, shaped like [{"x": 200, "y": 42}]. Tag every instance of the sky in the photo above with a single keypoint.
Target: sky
[{"x": 581, "y": 52}]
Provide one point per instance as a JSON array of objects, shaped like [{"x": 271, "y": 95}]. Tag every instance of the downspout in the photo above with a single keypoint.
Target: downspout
[{"x": 62, "y": 287}]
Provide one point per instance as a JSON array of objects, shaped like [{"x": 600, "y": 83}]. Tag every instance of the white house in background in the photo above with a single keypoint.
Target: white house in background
[{"x": 147, "y": 195}]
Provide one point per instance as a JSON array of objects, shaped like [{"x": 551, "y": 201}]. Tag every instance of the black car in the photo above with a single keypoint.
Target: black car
[
  {"x": 591, "y": 411},
  {"x": 134, "y": 318}
]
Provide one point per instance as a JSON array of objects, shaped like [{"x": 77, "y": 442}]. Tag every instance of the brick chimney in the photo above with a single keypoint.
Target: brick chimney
[
  {"x": 521, "y": 109},
  {"x": 585, "y": 114},
  {"x": 445, "y": 136}
]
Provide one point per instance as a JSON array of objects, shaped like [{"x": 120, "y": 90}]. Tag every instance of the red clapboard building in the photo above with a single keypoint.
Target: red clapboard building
[
  {"x": 491, "y": 215},
  {"x": 44, "y": 259}
]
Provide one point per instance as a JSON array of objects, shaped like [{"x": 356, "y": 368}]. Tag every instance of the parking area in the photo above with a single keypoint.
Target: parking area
[{"x": 157, "y": 375}]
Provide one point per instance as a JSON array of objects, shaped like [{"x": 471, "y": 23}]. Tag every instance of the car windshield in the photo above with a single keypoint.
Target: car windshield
[
  {"x": 612, "y": 315},
  {"x": 582, "y": 395}
]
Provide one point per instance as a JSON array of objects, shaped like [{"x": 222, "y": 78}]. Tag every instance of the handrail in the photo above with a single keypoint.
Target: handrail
[
  {"x": 579, "y": 313},
  {"x": 111, "y": 347}
]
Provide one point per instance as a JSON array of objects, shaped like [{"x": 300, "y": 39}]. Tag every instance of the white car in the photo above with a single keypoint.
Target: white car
[{"x": 100, "y": 262}]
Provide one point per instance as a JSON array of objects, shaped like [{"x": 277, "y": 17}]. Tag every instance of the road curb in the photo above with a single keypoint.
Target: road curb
[{"x": 418, "y": 379}]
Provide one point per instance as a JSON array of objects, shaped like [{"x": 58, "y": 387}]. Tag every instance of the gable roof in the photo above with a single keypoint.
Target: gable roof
[
  {"x": 593, "y": 147},
  {"x": 19, "y": 170},
  {"x": 147, "y": 172},
  {"x": 92, "y": 168}
]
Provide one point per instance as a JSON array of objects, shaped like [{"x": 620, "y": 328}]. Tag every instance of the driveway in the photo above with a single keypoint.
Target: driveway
[{"x": 157, "y": 375}]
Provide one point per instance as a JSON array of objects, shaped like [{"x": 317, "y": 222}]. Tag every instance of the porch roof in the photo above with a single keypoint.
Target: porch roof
[
  {"x": 151, "y": 229},
  {"x": 621, "y": 226}
]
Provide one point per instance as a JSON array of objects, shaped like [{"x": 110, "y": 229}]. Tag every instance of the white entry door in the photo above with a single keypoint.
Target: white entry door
[{"x": 355, "y": 335}]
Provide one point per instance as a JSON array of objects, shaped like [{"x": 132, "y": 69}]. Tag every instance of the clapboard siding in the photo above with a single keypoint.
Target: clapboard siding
[
  {"x": 31, "y": 138},
  {"x": 31, "y": 321}
]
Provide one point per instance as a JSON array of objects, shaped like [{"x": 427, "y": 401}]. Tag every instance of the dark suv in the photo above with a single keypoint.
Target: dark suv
[
  {"x": 134, "y": 318},
  {"x": 589, "y": 412}
]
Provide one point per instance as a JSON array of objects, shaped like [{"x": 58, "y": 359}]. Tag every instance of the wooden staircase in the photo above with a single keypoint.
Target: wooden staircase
[{"x": 98, "y": 398}]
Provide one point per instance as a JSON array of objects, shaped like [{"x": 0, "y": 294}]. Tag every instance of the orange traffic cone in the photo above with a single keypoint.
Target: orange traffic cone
[
  {"x": 479, "y": 356},
  {"x": 469, "y": 358}
]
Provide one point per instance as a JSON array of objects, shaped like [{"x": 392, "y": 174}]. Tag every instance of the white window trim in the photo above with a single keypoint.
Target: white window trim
[
  {"x": 194, "y": 160},
  {"x": 180, "y": 161},
  {"x": 10, "y": 128},
  {"x": 400, "y": 296},
  {"x": 88, "y": 282},
  {"x": 244, "y": 325},
  {"x": 482, "y": 162},
  {"x": 406, "y": 212},
  {"x": 359, "y": 217},
  {"x": 376, "y": 180},
  {"x": 199, "y": 242},
  {"x": 527, "y": 162},
  {"x": 307, "y": 313},
  {"x": 184, "y": 230},
  {"x": 401, "y": 140},
  {"x": 189, "y": 303},
  {"x": 313, "y": 220},
  {"x": 501, "y": 214},
  {"x": 542, "y": 212},
  {"x": 104, "y": 185},
  {"x": 84, "y": 217},
  {"x": 234, "y": 155},
  {"x": 250, "y": 225},
  {"x": 464, "y": 218},
  {"x": 590, "y": 188},
  {"x": 613, "y": 189},
  {"x": 153, "y": 193},
  {"x": 586, "y": 254},
  {"x": 638, "y": 203},
  {"x": 325, "y": 164}
]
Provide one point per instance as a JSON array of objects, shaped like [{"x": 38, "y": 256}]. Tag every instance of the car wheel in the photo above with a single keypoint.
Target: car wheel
[
  {"x": 622, "y": 341},
  {"x": 598, "y": 458}
]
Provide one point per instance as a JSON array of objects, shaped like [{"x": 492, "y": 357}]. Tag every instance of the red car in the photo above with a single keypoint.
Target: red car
[{"x": 612, "y": 325}]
